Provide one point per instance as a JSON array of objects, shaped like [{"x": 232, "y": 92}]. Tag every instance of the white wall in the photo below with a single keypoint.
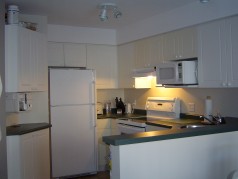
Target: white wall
[
  {"x": 61, "y": 33},
  {"x": 191, "y": 14}
]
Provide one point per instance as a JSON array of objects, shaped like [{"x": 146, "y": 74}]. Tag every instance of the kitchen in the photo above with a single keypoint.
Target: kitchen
[{"x": 223, "y": 99}]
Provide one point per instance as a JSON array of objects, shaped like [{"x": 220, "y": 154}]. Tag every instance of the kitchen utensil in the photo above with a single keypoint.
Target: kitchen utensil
[{"x": 128, "y": 108}]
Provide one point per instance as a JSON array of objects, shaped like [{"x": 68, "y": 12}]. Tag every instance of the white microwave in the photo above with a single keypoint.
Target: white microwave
[{"x": 177, "y": 73}]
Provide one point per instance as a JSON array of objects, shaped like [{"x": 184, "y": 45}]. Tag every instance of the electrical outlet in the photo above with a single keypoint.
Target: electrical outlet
[{"x": 191, "y": 107}]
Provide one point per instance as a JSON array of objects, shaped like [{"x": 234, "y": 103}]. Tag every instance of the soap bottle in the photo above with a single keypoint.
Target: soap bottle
[{"x": 208, "y": 108}]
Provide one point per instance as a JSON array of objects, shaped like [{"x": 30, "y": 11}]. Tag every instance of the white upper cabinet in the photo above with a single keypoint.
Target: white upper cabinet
[
  {"x": 142, "y": 53},
  {"x": 125, "y": 65},
  {"x": 218, "y": 44},
  {"x": 156, "y": 50},
  {"x": 25, "y": 60},
  {"x": 55, "y": 54},
  {"x": 180, "y": 44},
  {"x": 232, "y": 52},
  {"x": 103, "y": 58},
  {"x": 67, "y": 54},
  {"x": 148, "y": 52},
  {"x": 75, "y": 55}
]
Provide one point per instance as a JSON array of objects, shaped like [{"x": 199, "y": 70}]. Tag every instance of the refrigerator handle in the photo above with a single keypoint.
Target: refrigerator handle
[{"x": 93, "y": 104}]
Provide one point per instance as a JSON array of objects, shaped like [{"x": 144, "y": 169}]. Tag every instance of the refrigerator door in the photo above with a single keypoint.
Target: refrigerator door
[
  {"x": 73, "y": 140},
  {"x": 71, "y": 87}
]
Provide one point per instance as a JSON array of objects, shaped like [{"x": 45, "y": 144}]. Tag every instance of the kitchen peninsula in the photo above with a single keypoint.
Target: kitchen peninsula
[{"x": 206, "y": 152}]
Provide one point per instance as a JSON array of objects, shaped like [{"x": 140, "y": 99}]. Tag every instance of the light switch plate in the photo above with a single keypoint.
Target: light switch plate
[{"x": 191, "y": 107}]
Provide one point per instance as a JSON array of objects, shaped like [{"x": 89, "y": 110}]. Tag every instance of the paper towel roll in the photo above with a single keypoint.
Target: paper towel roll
[{"x": 208, "y": 107}]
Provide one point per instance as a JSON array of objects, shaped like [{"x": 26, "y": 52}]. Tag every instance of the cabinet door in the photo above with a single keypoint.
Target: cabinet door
[
  {"x": 232, "y": 51},
  {"x": 75, "y": 55},
  {"x": 103, "y": 58},
  {"x": 156, "y": 50},
  {"x": 180, "y": 44},
  {"x": 212, "y": 67},
  {"x": 169, "y": 44},
  {"x": 38, "y": 62},
  {"x": 125, "y": 66},
  {"x": 41, "y": 154},
  {"x": 23, "y": 60},
  {"x": 55, "y": 54},
  {"x": 41, "y": 64},
  {"x": 142, "y": 53},
  {"x": 27, "y": 156},
  {"x": 103, "y": 129},
  {"x": 187, "y": 43}
]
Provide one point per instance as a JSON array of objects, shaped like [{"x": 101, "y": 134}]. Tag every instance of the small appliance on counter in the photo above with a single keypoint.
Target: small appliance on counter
[
  {"x": 120, "y": 106},
  {"x": 18, "y": 102},
  {"x": 99, "y": 108},
  {"x": 129, "y": 108}
]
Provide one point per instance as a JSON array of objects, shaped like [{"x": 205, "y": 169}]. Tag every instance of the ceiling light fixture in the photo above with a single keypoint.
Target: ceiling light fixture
[{"x": 105, "y": 7}]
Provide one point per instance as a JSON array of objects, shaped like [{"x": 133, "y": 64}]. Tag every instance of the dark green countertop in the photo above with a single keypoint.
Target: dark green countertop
[
  {"x": 119, "y": 116},
  {"x": 174, "y": 133},
  {"x": 21, "y": 129}
]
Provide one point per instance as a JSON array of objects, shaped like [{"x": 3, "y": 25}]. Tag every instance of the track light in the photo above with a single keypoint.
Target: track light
[
  {"x": 116, "y": 13},
  {"x": 105, "y": 7},
  {"x": 103, "y": 15}
]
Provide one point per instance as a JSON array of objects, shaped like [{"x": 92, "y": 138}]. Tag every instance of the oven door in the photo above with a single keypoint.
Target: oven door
[{"x": 128, "y": 129}]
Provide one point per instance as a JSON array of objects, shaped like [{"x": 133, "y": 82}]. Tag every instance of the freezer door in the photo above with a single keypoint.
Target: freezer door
[
  {"x": 71, "y": 87},
  {"x": 73, "y": 141}
]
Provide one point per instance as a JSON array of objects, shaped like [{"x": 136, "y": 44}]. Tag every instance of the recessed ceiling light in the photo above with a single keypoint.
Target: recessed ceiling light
[{"x": 204, "y": 1}]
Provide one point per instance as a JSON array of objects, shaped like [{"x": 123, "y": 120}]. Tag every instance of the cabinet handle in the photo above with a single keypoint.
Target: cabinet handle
[
  {"x": 223, "y": 84},
  {"x": 229, "y": 84}
]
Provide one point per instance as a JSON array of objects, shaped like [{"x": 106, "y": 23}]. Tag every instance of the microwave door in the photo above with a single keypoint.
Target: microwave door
[{"x": 167, "y": 74}]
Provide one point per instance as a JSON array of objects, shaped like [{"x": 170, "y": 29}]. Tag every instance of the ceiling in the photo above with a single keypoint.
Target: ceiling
[{"x": 84, "y": 13}]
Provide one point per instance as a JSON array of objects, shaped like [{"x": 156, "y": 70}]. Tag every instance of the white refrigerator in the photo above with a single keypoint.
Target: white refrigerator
[{"x": 73, "y": 119}]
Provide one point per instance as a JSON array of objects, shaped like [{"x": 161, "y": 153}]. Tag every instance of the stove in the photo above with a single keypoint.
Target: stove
[{"x": 157, "y": 108}]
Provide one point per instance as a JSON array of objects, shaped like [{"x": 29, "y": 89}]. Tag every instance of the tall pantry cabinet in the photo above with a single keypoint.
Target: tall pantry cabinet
[{"x": 25, "y": 60}]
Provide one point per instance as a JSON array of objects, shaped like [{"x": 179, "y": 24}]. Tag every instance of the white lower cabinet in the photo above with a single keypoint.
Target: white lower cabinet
[
  {"x": 28, "y": 155},
  {"x": 105, "y": 127}
]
